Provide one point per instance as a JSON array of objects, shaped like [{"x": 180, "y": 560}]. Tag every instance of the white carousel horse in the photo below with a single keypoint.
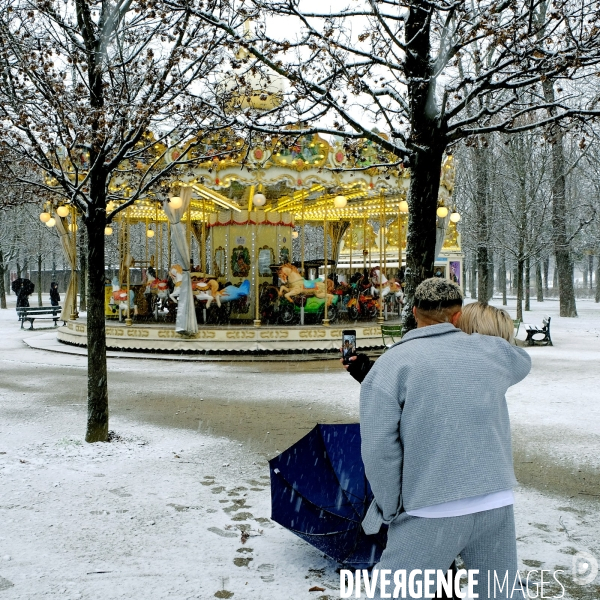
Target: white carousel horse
[
  {"x": 296, "y": 285},
  {"x": 176, "y": 273},
  {"x": 206, "y": 289},
  {"x": 386, "y": 286},
  {"x": 119, "y": 297}
]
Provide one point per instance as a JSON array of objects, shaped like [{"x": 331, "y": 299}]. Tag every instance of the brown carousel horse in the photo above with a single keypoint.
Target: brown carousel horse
[{"x": 296, "y": 285}]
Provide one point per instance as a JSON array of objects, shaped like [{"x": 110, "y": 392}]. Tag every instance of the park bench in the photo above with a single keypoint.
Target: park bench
[
  {"x": 393, "y": 332},
  {"x": 31, "y": 313},
  {"x": 533, "y": 330}
]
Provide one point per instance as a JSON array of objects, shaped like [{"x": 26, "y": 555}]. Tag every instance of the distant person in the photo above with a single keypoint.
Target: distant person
[
  {"x": 54, "y": 295},
  {"x": 437, "y": 449}
]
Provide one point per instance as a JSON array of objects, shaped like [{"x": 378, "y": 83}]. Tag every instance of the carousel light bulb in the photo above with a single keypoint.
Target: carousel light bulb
[
  {"x": 62, "y": 211},
  {"x": 176, "y": 202},
  {"x": 442, "y": 212},
  {"x": 51, "y": 222},
  {"x": 295, "y": 234},
  {"x": 340, "y": 201},
  {"x": 259, "y": 199},
  {"x": 72, "y": 227},
  {"x": 454, "y": 217},
  {"x": 108, "y": 230},
  {"x": 150, "y": 233},
  {"x": 403, "y": 206},
  {"x": 45, "y": 217},
  {"x": 110, "y": 206}
]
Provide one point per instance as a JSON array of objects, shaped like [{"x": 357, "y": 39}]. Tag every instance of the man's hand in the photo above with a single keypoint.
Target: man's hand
[{"x": 358, "y": 366}]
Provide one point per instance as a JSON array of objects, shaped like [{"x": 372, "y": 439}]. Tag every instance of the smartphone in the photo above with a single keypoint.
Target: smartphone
[{"x": 348, "y": 345}]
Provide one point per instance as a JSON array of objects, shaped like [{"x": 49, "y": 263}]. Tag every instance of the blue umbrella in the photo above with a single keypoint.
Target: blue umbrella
[{"x": 319, "y": 492}]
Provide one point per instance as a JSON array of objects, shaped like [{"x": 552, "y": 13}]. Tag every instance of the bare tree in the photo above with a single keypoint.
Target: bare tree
[{"x": 94, "y": 95}]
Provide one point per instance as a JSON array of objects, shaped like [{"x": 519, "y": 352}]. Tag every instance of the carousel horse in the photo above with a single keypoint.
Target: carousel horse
[
  {"x": 386, "y": 286},
  {"x": 155, "y": 287},
  {"x": 232, "y": 292},
  {"x": 206, "y": 289},
  {"x": 176, "y": 273},
  {"x": 119, "y": 297},
  {"x": 295, "y": 285}
]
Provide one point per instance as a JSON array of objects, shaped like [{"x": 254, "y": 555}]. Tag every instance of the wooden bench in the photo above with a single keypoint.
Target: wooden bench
[
  {"x": 517, "y": 324},
  {"x": 533, "y": 330},
  {"x": 31, "y": 313},
  {"x": 394, "y": 332}
]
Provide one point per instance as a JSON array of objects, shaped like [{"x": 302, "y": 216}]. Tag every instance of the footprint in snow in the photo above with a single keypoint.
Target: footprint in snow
[
  {"x": 242, "y": 516},
  {"x": 222, "y": 533},
  {"x": 238, "y": 561},
  {"x": 267, "y": 573}
]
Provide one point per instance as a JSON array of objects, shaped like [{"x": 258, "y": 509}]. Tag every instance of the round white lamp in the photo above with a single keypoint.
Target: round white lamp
[
  {"x": 108, "y": 230},
  {"x": 403, "y": 206},
  {"x": 45, "y": 217},
  {"x": 62, "y": 211},
  {"x": 454, "y": 217},
  {"x": 295, "y": 235},
  {"x": 442, "y": 212},
  {"x": 150, "y": 233},
  {"x": 72, "y": 226},
  {"x": 340, "y": 201},
  {"x": 176, "y": 202},
  {"x": 51, "y": 222},
  {"x": 259, "y": 199}
]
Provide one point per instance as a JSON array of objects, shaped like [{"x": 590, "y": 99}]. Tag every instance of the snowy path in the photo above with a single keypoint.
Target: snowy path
[{"x": 158, "y": 515}]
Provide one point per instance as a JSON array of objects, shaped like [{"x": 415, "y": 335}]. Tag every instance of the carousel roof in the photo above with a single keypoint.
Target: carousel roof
[{"x": 298, "y": 174}]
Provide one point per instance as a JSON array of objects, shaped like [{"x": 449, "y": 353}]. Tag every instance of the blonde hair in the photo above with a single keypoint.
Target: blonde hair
[{"x": 487, "y": 320}]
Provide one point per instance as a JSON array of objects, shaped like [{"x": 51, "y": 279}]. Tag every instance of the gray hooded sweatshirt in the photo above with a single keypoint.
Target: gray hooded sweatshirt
[{"x": 434, "y": 421}]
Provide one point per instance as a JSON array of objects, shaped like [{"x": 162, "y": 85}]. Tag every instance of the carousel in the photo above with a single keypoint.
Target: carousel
[
  {"x": 221, "y": 258},
  {"x": 273, "y": 247}
]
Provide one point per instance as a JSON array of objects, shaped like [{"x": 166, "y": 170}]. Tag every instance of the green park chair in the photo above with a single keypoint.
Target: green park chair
[{"x": 393, "y": 332}]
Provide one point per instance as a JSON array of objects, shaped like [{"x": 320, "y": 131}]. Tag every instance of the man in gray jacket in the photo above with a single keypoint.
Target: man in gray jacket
[{"x": 436, "y": 445}]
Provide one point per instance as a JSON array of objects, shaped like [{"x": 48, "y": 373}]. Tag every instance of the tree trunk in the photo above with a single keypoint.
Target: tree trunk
[
  {"x": 82, "y": 271},
  {"x": 427, "y": 144},
  {"x": 546, "y": 272},
  {"x": 473, "y": 279},
  {"x": 591, "y": 269},
  {"x": 97, "y": 421},
  {"x": 39, "y": 280},
  {"x": 491, "y": 271},
  {"x": 502, "y": 278},
  {"x": 564, "y": 264},
  {"x": 18, "y": 270},
  {"x": 538, "y": 281},
  {"x": 2, "y": 287},
  {"x": 527, "y": 283},
  {"x": 519, "y": 284},
  {"x": 597, "y": 297},
  {"x": 481, "y": 221},
  {"x": 555, "y": 278}
]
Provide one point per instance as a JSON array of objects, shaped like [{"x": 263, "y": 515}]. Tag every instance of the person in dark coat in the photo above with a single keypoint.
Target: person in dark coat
[{"x": 54, "y": 295}]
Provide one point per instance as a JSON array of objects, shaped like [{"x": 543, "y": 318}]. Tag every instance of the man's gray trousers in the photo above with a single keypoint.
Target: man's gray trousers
[{"x": 485, "y": 540}]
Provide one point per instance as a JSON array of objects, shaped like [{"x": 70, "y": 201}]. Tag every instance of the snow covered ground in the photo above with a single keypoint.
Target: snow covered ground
[{"x": 178, "y": 507}]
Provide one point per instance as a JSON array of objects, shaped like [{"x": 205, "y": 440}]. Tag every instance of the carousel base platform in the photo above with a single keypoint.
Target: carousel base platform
[{"x": 215, "y": 340}]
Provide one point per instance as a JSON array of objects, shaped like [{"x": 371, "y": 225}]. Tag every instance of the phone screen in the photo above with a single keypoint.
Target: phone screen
[{"x": 348, "y": 344}]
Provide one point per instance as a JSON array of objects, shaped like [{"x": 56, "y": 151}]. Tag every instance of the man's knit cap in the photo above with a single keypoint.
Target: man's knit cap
[{"x": 437, "y": 293}]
